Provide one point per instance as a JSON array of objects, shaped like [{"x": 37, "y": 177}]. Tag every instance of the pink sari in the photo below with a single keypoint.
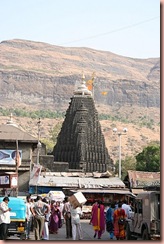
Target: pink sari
[{"x": 98, "y": 218}]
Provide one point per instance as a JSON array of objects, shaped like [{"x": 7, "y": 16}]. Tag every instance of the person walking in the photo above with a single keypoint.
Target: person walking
[
  {"x": 28, "y": 217},
  {"x": 98, "y": 219},
  {"x": 76, "y": 225},
  {"x": 61, "y": 205},
  {"x": 109, "y": 221},
  {"x": 32, "y": 221},
  {"x": 45, "y": 235},
  {"x": 67, "y": 216},
  {"x": 119, "y": 228},
  {"x": 38, "y": 211},
  {"x": 55, "y": 220},
  {"x": 127, "y": 208},
  {"x": 4, "y": 218}
]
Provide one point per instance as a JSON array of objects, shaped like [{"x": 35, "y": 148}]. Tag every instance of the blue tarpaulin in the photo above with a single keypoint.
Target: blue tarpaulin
[{"x": 43, "y": 189}]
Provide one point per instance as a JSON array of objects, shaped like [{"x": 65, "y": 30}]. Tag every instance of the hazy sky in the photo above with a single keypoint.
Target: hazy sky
[{"x": 126, "y": 27}]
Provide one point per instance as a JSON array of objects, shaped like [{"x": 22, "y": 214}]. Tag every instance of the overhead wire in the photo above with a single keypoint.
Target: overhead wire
[{"x": 112, "y": 31}]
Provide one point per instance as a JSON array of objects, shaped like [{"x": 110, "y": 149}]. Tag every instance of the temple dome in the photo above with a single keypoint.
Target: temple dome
[{"x": 82, "y": 90}]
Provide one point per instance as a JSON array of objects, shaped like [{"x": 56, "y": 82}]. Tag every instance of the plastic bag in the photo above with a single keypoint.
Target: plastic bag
[{"x": 121, "y": 221}]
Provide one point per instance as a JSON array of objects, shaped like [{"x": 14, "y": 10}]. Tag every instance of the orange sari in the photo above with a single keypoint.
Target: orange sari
[{"x": 119, "y": 230}]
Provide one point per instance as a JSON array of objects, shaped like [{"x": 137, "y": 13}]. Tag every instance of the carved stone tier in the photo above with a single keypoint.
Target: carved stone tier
[{"x": 80, "y": 141}]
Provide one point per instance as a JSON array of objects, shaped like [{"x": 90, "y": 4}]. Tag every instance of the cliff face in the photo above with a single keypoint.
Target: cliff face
[{"x": 36, "y": 75}]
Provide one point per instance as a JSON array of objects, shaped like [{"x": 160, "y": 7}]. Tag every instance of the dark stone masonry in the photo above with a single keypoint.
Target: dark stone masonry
[{"x": 80, "y": 141}]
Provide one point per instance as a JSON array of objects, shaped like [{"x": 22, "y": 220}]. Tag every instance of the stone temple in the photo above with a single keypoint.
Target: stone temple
[{"x": 80, "y": 141}]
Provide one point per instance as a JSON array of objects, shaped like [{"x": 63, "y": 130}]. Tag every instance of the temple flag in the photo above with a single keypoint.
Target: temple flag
[
  {"x": 104, "y": 93},
  {"x": 89, "y": 84}
]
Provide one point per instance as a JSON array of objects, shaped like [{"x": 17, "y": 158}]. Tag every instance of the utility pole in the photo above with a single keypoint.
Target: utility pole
[
  {"x": 39, "y": 145},
  {"x": 119, "y": 147},
  {"x": 16, "y": 167}
]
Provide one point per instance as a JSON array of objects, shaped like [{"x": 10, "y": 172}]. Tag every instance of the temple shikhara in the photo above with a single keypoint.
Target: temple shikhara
[{"x": 80, "y": 141}]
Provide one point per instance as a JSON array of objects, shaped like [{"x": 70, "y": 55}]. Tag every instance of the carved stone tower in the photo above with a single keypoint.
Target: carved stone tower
[{"x": 80, "y": 141}]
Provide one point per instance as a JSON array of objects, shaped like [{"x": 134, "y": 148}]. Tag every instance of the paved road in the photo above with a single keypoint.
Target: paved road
[
  {"x": 61, "y": 236},
  {"x": 87, "y": 233}
]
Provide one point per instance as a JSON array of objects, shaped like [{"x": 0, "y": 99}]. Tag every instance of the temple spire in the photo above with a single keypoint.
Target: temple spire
[{"x": 81, "y": 142}]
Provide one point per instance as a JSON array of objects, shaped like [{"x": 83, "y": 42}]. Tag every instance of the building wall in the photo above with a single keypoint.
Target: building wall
[
  {"x": 23, "y": 181},
  {"x": 26, "y": 162},
  {"x": 48, "y": 162}
]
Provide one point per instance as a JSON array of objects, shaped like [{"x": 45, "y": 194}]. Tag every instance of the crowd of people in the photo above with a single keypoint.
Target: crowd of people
[
  {"x": 45, "y": 217},
  {"x": 113, "y": 220}
]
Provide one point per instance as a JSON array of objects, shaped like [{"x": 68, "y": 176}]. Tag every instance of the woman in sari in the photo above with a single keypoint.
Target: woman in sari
[
  {"x": 55, "y": 220},
  {"x": 119, "y": 229},
  {"x": 98, "y": 219}
]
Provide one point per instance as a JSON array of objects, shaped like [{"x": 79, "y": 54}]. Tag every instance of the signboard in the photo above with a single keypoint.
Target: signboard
[
  {"x": 8, "y": 180},
  {"x": 35, "y": 173},
  {"x": 4, "y": 180},
  {"x": 9, "y": 156},
  {"x": 14, "y": 181}
]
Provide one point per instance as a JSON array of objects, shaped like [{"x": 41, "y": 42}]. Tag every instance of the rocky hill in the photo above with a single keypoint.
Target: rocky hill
[{"x": 36, "y": 75}]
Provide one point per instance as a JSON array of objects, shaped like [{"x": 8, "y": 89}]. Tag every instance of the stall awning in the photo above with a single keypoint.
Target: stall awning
[
  {"x": 106, "y": 191},
  {"x": 137, "y": 191}
]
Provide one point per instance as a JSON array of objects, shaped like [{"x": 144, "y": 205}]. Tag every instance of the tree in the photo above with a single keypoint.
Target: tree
[
  {"x": 129, "y": 163},
  {"x": 149, "y": 159},
  {"x": 50, "y": 142}
]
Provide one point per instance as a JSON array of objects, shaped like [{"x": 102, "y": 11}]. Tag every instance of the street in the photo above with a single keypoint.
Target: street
[{"x": 61, "y": 236}]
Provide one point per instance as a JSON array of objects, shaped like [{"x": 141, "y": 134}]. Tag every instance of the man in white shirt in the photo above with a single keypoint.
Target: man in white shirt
[
  {"x": 28, "y": 216},
  {"x": 46, "y": 223},
  {"x": 127, "y": 209},
  {"x": 4, "y": 218},
  {"x": 75, "y": 221}
]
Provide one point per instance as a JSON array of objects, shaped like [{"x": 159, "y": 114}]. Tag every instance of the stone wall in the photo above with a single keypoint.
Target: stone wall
[{"x": 47, "y": 161}]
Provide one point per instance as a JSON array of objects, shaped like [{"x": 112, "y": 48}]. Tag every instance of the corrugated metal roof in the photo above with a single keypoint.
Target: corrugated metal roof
[
  {"x": 79, "y": 182},
  {"x": 141, "y": 178},
  {"x": 11, "y": 132},
  {"x": 79, "y": 174}
]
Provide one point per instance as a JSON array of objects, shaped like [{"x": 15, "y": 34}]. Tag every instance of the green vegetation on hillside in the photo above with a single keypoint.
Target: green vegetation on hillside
[
  {"x": 32, "y": 114},
  {"x": 142, "y": 122}
]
